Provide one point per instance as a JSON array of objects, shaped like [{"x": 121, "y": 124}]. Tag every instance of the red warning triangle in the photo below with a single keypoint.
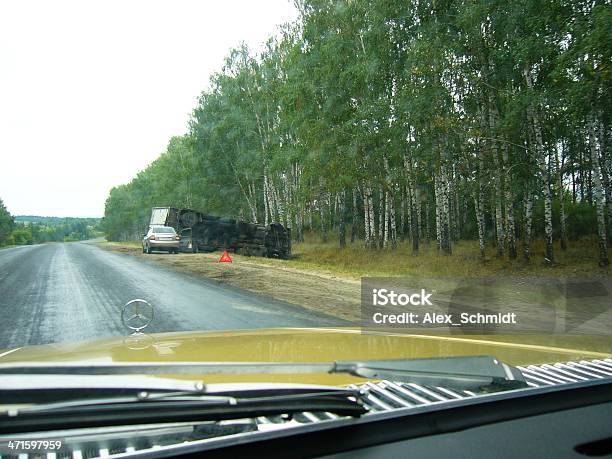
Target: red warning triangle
[{"x": 225, "y": 258}]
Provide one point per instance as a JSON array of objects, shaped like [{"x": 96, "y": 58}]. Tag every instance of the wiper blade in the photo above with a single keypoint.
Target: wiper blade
[
  {"x": 48, "y": 388},
  {"x": 479, "y": 373},
  {"x": 182, "y": 407},
  {"x": 464, "y": 373}
]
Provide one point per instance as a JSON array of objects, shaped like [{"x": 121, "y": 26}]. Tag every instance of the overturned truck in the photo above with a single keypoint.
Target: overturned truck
[{"x": 205, "y": 233}]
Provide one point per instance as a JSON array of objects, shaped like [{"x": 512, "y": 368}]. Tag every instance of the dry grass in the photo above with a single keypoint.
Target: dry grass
[{"x": 356, "y": 261}]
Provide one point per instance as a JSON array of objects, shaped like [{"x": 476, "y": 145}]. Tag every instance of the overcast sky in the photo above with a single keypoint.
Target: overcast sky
[{"x": 91, "y": 91}]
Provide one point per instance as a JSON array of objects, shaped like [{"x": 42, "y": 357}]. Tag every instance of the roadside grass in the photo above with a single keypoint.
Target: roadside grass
[
  {"x": 124, "y": 244},
  {"x": 356, "y": 261},
  {"x": 9, "y": 246},
  {"x": 526, "y": 285}
]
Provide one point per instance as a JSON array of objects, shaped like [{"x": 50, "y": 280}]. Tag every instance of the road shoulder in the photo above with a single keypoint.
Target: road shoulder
[{"x": 321, "y": 292}]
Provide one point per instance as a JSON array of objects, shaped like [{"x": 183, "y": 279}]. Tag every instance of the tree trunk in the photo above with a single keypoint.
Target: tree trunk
[
  {"x": 427, "y": 221},
  {"x": 368, "y": 211},
  {"x": 562, "y": 222},
  {"x": 606, "y": 169},
  {"x": 354, "y": 227},
  {"x": 573, "y": 185},
  {"x": 414, "y": 200},
  {"x": 480, "y": 221},
  {"x": 390, "y": 224},
  {"x": 443, "y": 212},
  {"x": 511, "y": 227},
  {"x": 456, "y": 218},
  {"x": 382, "y": 218},
  {"x": 342, "y": 224},
  {"x": 438, "y": 211},
  {"x": 386, "y": 220},
  {"x": 541, "y": 160},
  {"x": 479, "y": 206},
  {"x": 497, "y": 179},
  {"x": 402, "y": 216},
  {"x": 310, "y": 212},
  {"x": 266, "y": 200},
  {"x": 367, "y": 233},
  {"x": 446, "y": 230},
  {"x": 322, "y": 216},
  {"x": 419, "y": 209},
  {"x": 414, "y": 220},
  {"x": 598, "y": 196},
  {"x": 528, "y": 224}
]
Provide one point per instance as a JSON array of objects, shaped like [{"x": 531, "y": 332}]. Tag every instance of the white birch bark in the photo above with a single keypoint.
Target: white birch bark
[
  {"x": 541, "y": 161},
  {"x": 368, "y": 207},
  {"x": 528, "y": 224},
  {"x": 382, "y": 218},
  {"x": 445, "y": 243},
  {"x": 606, "y": 171},
  {"x": 390, "y": 225},
  {"x": 342, "y": 218},
  {"x": 511, "y": 226},
  {"x": 366, "y": 217},
  {"x": 562, "y": 217},
  {"x": 479, "y": 206},
  {"x": 438, "y": 211},
  {"x": 323, "y": 204},
  {"x": 413, "y": 195},
  {"x": 497, "y": 180},
  {"x": 598, "y": 195},
  {"x": 279, "y": 211},
  {"x": 266, "y": 200},
  {"x": 402, "y": 213},
  {"x": 355, "y": 223}
]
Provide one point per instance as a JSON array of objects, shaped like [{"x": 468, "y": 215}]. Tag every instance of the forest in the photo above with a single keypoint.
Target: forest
[
  {"x": 30, "y": 229},
  {"x": 394, "y": 123}
]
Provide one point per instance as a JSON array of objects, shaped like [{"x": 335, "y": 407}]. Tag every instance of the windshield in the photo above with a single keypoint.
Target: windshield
[{"x": 305, "y": 182}]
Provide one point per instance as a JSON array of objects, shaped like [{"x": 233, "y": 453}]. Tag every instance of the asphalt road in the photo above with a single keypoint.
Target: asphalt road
[{"x": 54, "y": 293}]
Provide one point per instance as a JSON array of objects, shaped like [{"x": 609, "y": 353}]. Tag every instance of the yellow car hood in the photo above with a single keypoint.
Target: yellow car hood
[{"x": 307, "y": 345}]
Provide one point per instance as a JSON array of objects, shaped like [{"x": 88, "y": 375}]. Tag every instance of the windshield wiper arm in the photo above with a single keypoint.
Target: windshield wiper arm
[
  {"x": 181, "y": 407},
  {"x": 464, "y": 373},
  {"x": 480, "y": 373}
]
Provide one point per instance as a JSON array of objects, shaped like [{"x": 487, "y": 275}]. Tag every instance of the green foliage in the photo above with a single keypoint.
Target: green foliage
[
  {"x": 345, "y": 98},
  {"x": 6, "y": 225},
  {"x": 22, "y": 235},
  {"x": 29, "y": 229}
]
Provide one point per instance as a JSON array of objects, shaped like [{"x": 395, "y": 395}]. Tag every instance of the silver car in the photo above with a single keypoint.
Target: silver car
[{"x": 161, "y": 238}]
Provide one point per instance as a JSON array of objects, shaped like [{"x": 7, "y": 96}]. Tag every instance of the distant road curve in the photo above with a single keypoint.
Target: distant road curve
[{"x": 66, "y": 292}]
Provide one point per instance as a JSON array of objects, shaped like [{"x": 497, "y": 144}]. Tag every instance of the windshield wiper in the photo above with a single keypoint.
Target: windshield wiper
[
  {"x": 476, "y": 373},
  {"x": 226, "y": 402},
  {"x": 479, "y": 373},
  {"x": 67, "y": 395}
]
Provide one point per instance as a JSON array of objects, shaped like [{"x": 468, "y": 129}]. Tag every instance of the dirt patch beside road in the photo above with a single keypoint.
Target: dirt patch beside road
[{"x": 320, "y": 291}]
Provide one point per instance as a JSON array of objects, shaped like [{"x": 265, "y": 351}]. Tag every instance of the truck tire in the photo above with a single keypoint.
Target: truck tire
[
  {"x": 188, "y": 219},
  {"x": 194, "y": 247}
]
